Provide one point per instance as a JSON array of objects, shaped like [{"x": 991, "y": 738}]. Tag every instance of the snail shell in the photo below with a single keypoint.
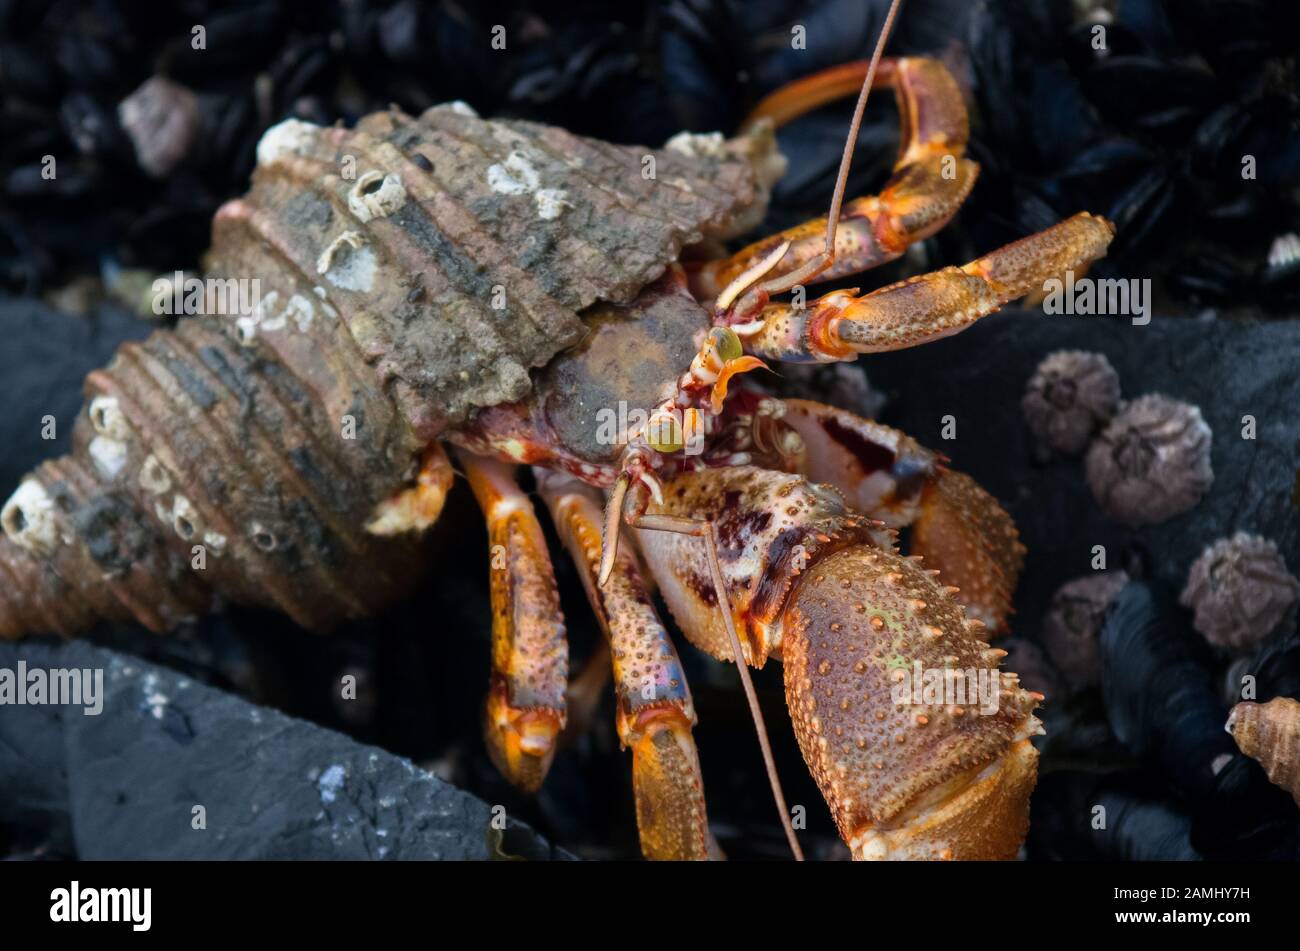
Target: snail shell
[
  {"x": 403, "y": 274},
  {"x": 1270, "y": 734}
]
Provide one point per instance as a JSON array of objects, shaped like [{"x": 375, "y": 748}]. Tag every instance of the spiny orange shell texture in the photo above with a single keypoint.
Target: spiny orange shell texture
[
  {"x": 825, "y": 591},
  {"x": 858, "y": 624}
]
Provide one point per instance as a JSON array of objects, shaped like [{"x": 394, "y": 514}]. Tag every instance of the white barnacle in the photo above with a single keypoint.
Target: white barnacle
[
  {"x": 186, "y": 521},
  {"x": 262, "y": 536},
  {"x": 246, "y": 330},
  {"x": 376, "y": 195},
  {"x": 153, "y": 477},
  {"x": 348, "y": 262},
  {"x": 292, "y": 137},
  {"x": 107, "y": 418},
  {"x": 698, "y": 144},
  {"x": 28, "y": 518},
  {"x": 517, "y": 175},
  {"x": 551, "y": 203}
]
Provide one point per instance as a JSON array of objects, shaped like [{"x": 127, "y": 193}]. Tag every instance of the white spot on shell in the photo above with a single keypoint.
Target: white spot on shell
[
  {"x": 518, "y": 176},
  {"x": 292, "y": 137},
  {"x": 462, "y": 108},
  {"x": 515, "y": 176},
  {"x": 376, "y": 195},
  {"x": 109, "y": 455},
  {"x": 301, "y": 312},
  {"x": 153, "y": 477},
  {"x": 349, "y": 263},
  {"x": 551, "y": 203},
  {"x": 215, "y": 541},
  {"x": 698, "y": 144},
  {"x": 28, "y": 518}
]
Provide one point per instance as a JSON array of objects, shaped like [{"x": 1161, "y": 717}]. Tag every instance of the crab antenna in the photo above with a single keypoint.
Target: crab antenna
[{"x": 823, "y": 260}]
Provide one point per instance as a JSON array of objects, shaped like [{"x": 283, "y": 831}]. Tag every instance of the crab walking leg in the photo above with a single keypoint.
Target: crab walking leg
[
  {"x": 919, "y": 743},
  {"x": 655, "y": 713},
  {"x": 841, "y": 325},
  {"x": 530, "y": 655},
  {"x": 957, "y": 527},
  {"x": 931, "y": 177}
]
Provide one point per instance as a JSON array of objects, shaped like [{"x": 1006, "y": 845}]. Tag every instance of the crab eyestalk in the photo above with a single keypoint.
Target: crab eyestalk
[{"x": 919, "y": 743}]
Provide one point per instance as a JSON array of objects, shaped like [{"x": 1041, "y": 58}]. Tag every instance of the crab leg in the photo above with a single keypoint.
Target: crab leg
[
  {"x": 840, "y": 325},
  {"x": 530, "y": 656},
  {"x": 957, "y": 527},
  {"x": 931, "y": 177},
  {"x": 655, "y": 713}
]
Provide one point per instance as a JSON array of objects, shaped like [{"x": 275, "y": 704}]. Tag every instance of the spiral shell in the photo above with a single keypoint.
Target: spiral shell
[
  {"x": 1152, "y": 462},
  {"x": 405, "y": 273},
  {"x": 1270, "y": 734},
  {"x": 1071, "y": 395},
  {"x": 1239, "y": 590}
]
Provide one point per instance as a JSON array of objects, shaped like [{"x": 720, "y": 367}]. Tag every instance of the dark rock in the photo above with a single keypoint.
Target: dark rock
[
  {"x": 124, "y": 784},
  {"x": 45, "y": 357},
  {"x": 1229, "y": 369}
]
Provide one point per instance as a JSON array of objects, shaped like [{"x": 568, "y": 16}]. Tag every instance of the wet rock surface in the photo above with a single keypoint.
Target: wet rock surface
[
  {"x": 1229, "y": 369},
  {"x": 128, "y": 782}
]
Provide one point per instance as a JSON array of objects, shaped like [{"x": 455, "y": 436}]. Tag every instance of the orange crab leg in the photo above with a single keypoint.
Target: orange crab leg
[
  {"x": 957, "y": 527},
  {"x": 417, "y": 507},
  {"x": 931, "y": 177},
  {"x": 655, "y": 713},
  {"x": 530, "y": 656},
  {"x": 840, "y": 325}
]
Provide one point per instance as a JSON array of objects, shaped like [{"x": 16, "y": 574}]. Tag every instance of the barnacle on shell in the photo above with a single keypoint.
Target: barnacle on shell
[
  {"x": 1239, "y": 590},
  {"x": 1152, "y": 462},
  {"x": 1071, "y": 395},
  {"x": 1270, "y": 733},
  {"x": 244, "y": 454},
  {"x": 1073, "y": 622}
]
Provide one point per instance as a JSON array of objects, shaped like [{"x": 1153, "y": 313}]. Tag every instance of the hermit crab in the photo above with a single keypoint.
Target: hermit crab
[{"x": 501, "y": 288}]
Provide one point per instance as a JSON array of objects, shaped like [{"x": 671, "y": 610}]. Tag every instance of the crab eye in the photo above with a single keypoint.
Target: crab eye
[
  {"x": 664, "y": 433},
  {"x": 727, "y": 344}
]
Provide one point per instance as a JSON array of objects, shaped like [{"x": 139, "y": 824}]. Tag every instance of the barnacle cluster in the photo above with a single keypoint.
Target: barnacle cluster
[{"x": 1151, "y": 459}]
